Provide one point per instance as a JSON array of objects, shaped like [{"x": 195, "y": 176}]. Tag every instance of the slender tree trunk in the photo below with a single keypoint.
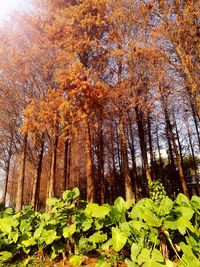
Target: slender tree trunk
[
  {"x": 89, "y": 169},
  {"x": 65, "y": 165},
  {"x": 115, "y": 190},
  {"x": 178, "y": 158},
  {"x": 125, "y": 164},
  {"x": 172, "y": 168},
  {"x": 139, "y": 119},
  {"x": 118, "y": 148},
  {"x": 193, "y": 158},
  {"x": 3, "y": 198},
  {"x": 153, "y": 174},
  {"x": 178, "y": 140},
  {"x": 36, "y": 182},
  {"x": 20, "y": 185},
  {"x": 196, "y": 123},
  {"x": 160, "y": 156},
  {"x": 120, "y": 176},
  {"x": 134, "y": 166},
  {"x": 51, "y": 189},
  {"x": 100, "y": 156}
]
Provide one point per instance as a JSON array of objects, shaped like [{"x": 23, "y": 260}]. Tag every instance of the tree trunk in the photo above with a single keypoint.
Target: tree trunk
[
  {"x": 66, "y": 165},
  {"x": 178, "y": 140},
  {"x": 20, "y": 185},
  {"x": 134, "y": 166},
  {"x": 160, "y": 156},
  {"x": 36, "y": 182},
  {"x": 117, "y": 188},
  {"x": 3, "y": 198},
  {"x": 193, "y": 158},
  {"x": 172, "y": 168},
  {"x": 178, "y": 158},
  {"x": 139, "y": 119},
  {"x": 196, "y": 123},
  {"x": 125, "y": 164},
  {"x": 100, "y": 158},
  {"x": 153, "y": 174},
  {"x": 89, "y": 169},
  {"x": 51, "y": 189}
]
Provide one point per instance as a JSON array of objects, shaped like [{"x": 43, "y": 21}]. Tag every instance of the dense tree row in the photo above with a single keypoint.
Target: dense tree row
[{"x": 103, "y": 95}]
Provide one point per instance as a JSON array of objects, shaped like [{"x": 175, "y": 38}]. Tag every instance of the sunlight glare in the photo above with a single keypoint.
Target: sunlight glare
[{"x": 8, "y": 6}]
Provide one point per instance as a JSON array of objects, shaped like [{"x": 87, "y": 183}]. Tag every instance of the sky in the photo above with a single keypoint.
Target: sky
[{"x": 7, "y": 6}]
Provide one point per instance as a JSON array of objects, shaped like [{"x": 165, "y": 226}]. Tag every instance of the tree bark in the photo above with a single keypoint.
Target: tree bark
[
  {"x": 139, "y": 119},
  {"x": 3, "y": 198},
  {"x": 89, "y": 169},
  {"x": 196, "y": 123},
  {"x": 36, "y": 182},
  {"x": 153, "y": 174},
  {"x": 100, "y": 158},
  {"x": 160, "y": 156},
  {"x": 178, "y": 140},
  {"x": 66, "y": 165},
  {"x": 178, "y": 158},
  {"x": 134, "y": 166},
  {"x": 20, "y": 185},
  {"x": 51, "y": 189},
  {"x": 125, "y": 164}
]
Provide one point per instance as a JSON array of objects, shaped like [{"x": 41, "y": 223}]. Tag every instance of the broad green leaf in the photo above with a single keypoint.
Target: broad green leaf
[
  {"x": 131, "y": 264},
  {"x": 25, "y": 226},
  {"x": 135, "y": 250},
  {"x": 141, "y": 207},
  {"x": 119, "y": 203},
  {"x": 138, "y": 225},
  {"x": 165, "y": 206},
  {"x": 76, "y": 193},
  {"x": 86, "y": 225},
  {"x": 98, "y": 237},
  {"x": 8, "y": 211},
  {"x": 195, "y": 202},
  {"x": 152, "y": 263},
  {"x": 169, "y": 263},
  {"x": 48, "y": 236},
  {"x": 128, "y": 204},
  {"x": 182, "y": 199},
  {"x": 97, "y": 211},
  {"x": 30, "y": 242},
  {"x": 118, "y": 238},
  {"x": 157, "y": 256},
  {"x": 14, "y": 235},
  {"x": 5, "y": 256},
  {"x": 125, "y": 228},
  {"x": 76, "y": 260},
  {"x": 186, "y": 212},
  {"x": 52, "y": 201},
  {"x": 144, "y": 256},
  {"x": 107, "y": 245},
  {"x": 69, "y": 231},
  {"x": 102, "y": 263},
  {"x": 151, "y": 219},
  {"x": 7, "y": 223},
  {"x": 65, "y": 195},
  {"x": 182, "y": 224},
  {"x": 38, "y": 231},
  {"x": 168, "y": 224}
]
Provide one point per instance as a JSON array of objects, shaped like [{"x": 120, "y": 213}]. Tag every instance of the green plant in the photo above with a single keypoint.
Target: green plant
[{"x": 149, "y": 233}]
